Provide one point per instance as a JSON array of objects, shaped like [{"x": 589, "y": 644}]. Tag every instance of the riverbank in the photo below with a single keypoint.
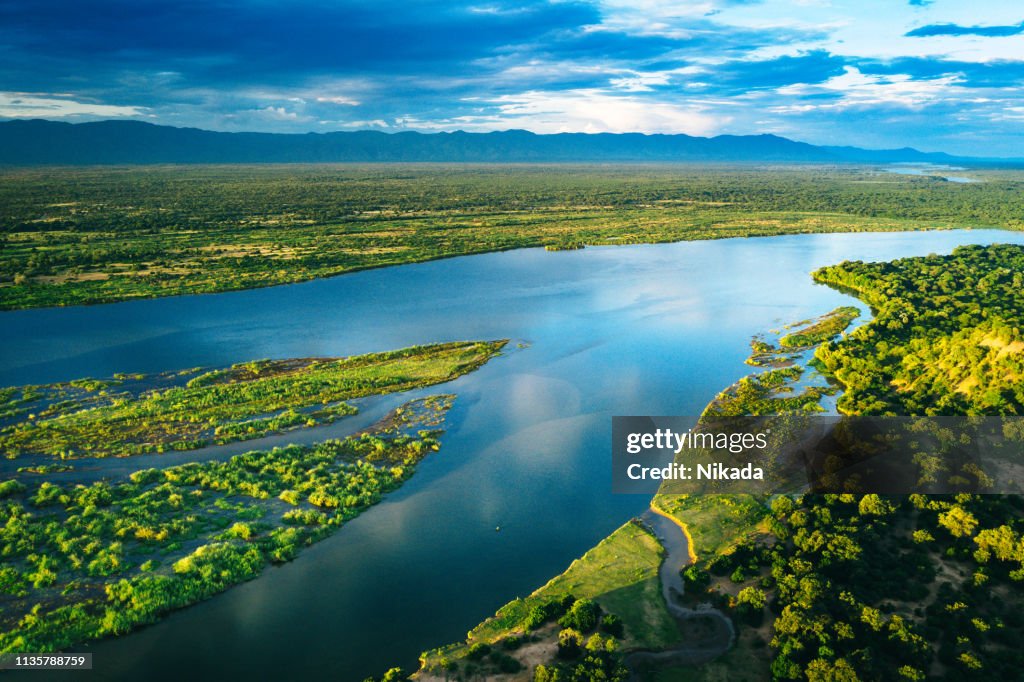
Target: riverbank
[
  {"x": 706, "y": 632},
  {"x": 691, "y": 555},
  {"x": 86, "y": 236}
]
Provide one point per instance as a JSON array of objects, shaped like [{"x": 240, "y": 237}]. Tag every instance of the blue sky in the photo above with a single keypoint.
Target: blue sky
[{"x": 934, "y": 74}]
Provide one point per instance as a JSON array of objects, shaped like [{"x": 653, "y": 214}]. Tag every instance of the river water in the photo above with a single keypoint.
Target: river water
[
  {"x": 632, "y": 330},
  {"x": 928, "y": 169}
]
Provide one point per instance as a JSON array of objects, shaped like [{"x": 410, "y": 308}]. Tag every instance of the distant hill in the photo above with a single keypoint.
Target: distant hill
[{"x": 39, "y": 142}]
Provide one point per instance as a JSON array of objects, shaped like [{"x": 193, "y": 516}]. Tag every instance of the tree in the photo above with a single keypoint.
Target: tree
[
  {"x": 569, "y": 643},
  {"x": 583, "y": 616},
  {"x": 821, "y": 670},
  {"x": 612, "y": 624},
  {"x": 958, "y": 521},
  {"x": 873, "y": 505},
  {"x": 782, "y": 506},
  {"x": 752, "y": 597}
]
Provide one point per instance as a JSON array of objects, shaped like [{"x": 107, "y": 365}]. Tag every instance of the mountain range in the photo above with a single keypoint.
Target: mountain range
[{"x": 41, "y": 142}]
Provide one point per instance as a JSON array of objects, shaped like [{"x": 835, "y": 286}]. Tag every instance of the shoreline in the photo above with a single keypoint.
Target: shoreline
[{"x": 600, "y": 242}]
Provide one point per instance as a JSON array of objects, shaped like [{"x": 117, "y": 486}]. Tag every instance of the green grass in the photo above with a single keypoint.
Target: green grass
[
  {"x": 743, "y": 663},
  {"x": 245, "y": 401},
  {"x": 765, "y": 394},
  {"x": 772, "y": 391},
  {"x": 620, "y": 574},
  {"x": 823, "y": 329},
  {"x": 714, "y": 523}
]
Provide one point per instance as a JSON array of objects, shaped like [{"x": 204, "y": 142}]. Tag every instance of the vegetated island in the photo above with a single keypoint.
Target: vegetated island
[
  {"x": 138, "y": 414},
  {"x": 820, "y": 587},
  {"x": 92, "y": 235},
  {"x": 827, "y": 327},
  {"x": 83, "y": 562},
  {"x": 778, "y": 389}
]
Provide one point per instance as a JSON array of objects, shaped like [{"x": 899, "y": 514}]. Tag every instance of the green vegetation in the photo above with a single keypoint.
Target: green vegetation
[
  {"x": 90, "y": 235},
  {"x": 82, "y": 562},
  {"x": 773, "y": 391},
  {"x": 946, "y": 338},
  {"x": 825, "y": 328},
  {"x": 766, "y": 354},
  {"x": 904, "y": 589},
  {"x": 46, "y": 469},
  {"x": 249, "y": 400},
  {"x": 918, "y": 587},
  {"x": 769, "y": 392},
  {"x": 714, "y": 523},
  {"x": 87, "y": 561},
  {"x": 910, "y": 588}
]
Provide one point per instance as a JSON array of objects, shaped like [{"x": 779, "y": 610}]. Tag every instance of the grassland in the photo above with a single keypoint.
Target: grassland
[
  {"x": 713, "y": 522},
  {"x": 187, "y": 410},
  {"x": 774, "y": 390},
  {"x": 74, "y": 236}
]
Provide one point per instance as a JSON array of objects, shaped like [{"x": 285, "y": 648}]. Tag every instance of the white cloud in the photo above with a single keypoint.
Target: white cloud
[
  {"x": 586, "y": 110},
  {"x": 47, "y": 105},
  {"x": 641, "y": 82},
  {"x": 344, "y": 101},
  {"x": 496, "y": 10},
  {"x": 279, "y": 114},
  {"x": 374, "y": 123},
  {"x": 856, "y": 89}
]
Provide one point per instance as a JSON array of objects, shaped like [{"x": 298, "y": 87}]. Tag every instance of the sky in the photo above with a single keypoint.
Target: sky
[{"x": 938, "y": 75}]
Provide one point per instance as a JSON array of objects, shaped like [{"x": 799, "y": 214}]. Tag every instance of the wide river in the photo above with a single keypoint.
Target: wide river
[{"x": 630, "y": 330}]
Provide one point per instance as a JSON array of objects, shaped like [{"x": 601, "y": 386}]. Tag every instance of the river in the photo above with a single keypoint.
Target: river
[
  {"x": 631, "y": 330},
  {"x": 933, "y": 170}
]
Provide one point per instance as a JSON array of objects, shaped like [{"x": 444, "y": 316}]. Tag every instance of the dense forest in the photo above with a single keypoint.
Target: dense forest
[
  {"x": 88, "y": 235},
  {"x": 916, "y": 587},
  {"x": 946, "y": 338}
]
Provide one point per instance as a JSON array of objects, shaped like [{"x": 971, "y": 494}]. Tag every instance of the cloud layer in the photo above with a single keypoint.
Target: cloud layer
[{"x": 825, "y": 71}]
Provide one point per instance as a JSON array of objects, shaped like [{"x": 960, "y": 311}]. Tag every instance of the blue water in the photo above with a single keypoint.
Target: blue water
[
  {"x": 931, "y": 170},
  {"x": 629, "y": 330}
]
